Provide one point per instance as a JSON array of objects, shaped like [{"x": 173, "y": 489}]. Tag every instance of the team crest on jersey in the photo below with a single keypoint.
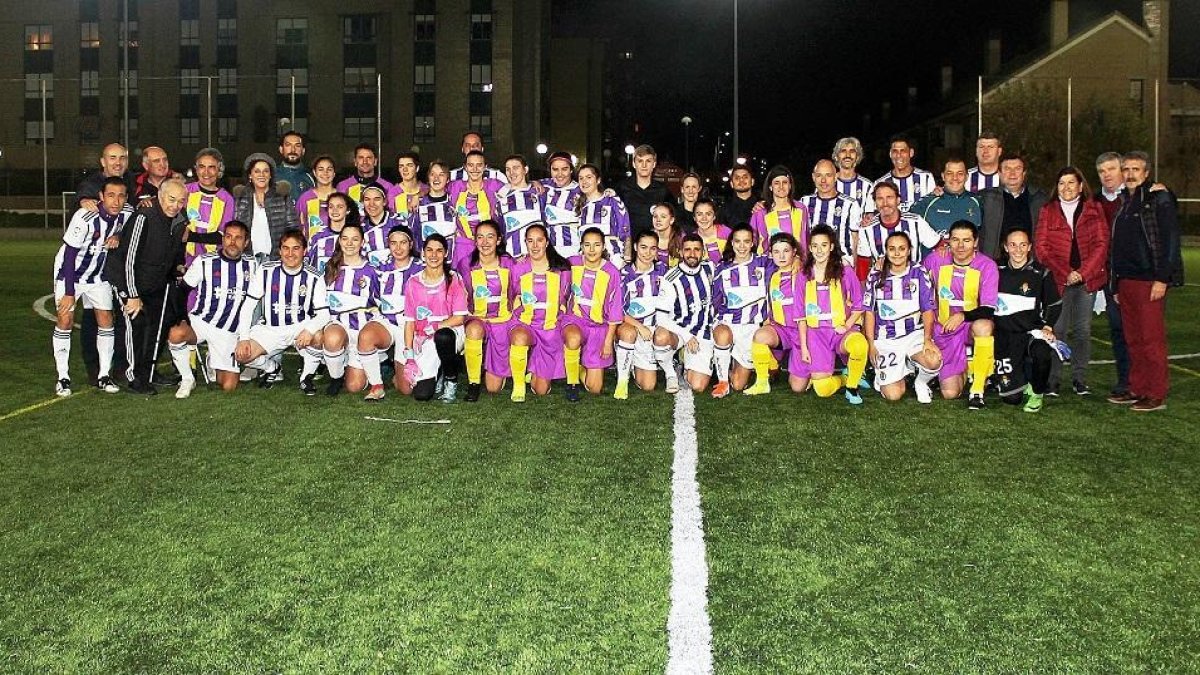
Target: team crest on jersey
[
  {"x": 423, "y": 312},
  {"x": 912, "y": 287},
  {"x": 758, "y": 274},
  {"x": 303, "y": 291},
  {"x": 528, "y": 298},
  {"x": 362, "y": 282},
  {"x": 605, "y": 212},
  {"x": 482, "y": 291},
  {"x": 837, "y": 210},
  {"x": 1025, "y": 288}
]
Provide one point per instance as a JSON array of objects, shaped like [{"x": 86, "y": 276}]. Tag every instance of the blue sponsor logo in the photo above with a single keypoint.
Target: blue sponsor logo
[
  {"x": 482, "y": 292},
  {"x": 636, "y": 308},
  {"x": 886, "y": 311},
  {"x": 423, "y": 312},
  {"x": 733, "y": 299},
  {"x": 946, "y": 293},
  {"x": 1001, "y": 305},
  {"x": 528, "y": 298},
  {"x": 812, "y": 308},
  {"x": 776, "y": 294}
]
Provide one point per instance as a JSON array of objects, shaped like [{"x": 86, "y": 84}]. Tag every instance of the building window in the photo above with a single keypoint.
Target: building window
[
  {"x": 226, "y": 32},
  {"x": 291, "y": 32},
  {"x": 359, "y": 80},
  {"x": 189, "y": 32},
  {"x": 423, "y": 128},
  {"x": 39, "y": 38},
  {"x": 89, "y": 83},
  {"x": 227, "y": 129},
  {"x": 189, "y": 130},
  {"x": 359, "y": 128},
  {"x": 283, "y": 80},
  {"x": 133, "y": 124},
  {"x": 423, "y": 78},
  {"x": 33, "y": 131},
  {"x": 133, "y": 83},
  {"x": 358, "y": 29},
  {"x": 133, "y": 34},
  {"x": 89, "y": 35},
  {"x": 33, "y": 85},
  {"x": 424, "y": 27},
  {"x": 1137, "y": 93},
  {"x": 189, "y": 81},
  {"x": 481, "y": 77},
  {"x": 482, "y": 124},
  {"x": 227, "y": 81},
  {"x": 481, "y": 26}
]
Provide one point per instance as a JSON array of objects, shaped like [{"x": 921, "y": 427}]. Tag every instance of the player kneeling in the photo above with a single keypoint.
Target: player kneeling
[
  {"x": 739, "y": 307},
  {"x": 780, "y": 331},
  {"x": 635, "y": 336},
  {"x": 1026, "y": 310},
  {"x": 292, "y": 297},
  {"x": 352, "y": 288},
  {"x": 386, "y": 329},
  {"x": 899, "y": 322},
  {"x": 221, "y": 282},
  {"x": 594, "y": 311},
  {"x": 685, "y": 317}
]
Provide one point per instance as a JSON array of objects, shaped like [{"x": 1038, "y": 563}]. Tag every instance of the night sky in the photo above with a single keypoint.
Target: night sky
[{"x": 811, "y": 69}]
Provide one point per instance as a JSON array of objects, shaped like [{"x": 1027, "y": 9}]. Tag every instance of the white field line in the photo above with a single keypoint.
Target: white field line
[
  {"x": 1173, "y": 357},
  {"x": 39, "y": 308},
  {"x": 388, "y": 419},
  {"x": 689, "y": 634}
]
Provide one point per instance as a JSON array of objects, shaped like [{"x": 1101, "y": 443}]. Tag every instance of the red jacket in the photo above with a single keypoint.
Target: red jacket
[{"x": 1053, "y": 244}]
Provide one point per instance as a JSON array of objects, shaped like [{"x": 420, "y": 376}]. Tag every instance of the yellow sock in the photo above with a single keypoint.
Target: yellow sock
[
  {"x": 518, "y": 361},
  {"x": 473, "y": 353},
  {"x": 773, "y": 364},
  {"x": 982, "y": 363},
  {"x": 827, "y": 386},
  {"x": 761, "y": 355},
  {"x": 856, "y": 362},
  {"x": 571, "y": 357}
]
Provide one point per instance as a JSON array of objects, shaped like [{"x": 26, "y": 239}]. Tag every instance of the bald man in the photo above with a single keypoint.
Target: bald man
[{"x": 829, "y": 207}]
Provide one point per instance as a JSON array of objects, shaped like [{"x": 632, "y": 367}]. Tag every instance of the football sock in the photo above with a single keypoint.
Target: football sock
[
  {"x": 518, "y": 362},
  {"x": 624, "y": 360},
  {"x": 760, "y": 354},
  {"x": 827, "y": 386},
  {"x": 181, "y": 355},
  {"x": 856, "y": 361},
  {"x": 335, "y": 362},
  {"x": 106, "y": 340},
  {"x": 371, "y": 367},
  {"x": 473, "y": 352},
  {"x": 571, "y": 357},
  {"x": 61, "y": 342},
  {"x": 722, "y": 357},
  {"x": 311, "y": 356},
  {"x": 982, "y": 363}
]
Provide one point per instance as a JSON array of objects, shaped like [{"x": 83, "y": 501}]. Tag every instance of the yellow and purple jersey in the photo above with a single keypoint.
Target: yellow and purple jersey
[
  {"x": 207, "y": 212},
  {"x": 781, "y": 296},
  {"x": 472, "y": 208},
  {"x": 541, "y": 297},
  {"x": 404, "y": 202},
  {"x": 714, "y": 244},
  {"x": 313, "y": 212},
  {"x": 490, "y": 293},
  {"x": 830, "y": 304},
  {"x": 962, "y": 288},
  {"x": 596, "y": 293},
  {"x": 768, "y": 223}
]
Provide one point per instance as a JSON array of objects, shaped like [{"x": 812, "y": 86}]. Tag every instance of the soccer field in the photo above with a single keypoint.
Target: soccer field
[{"x": 265, "y": 531}]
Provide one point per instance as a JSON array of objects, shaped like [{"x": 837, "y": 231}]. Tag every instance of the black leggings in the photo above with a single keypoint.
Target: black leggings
[
  {"x": 446, "y": 343},
  {"x": 1040, "y": 357}
]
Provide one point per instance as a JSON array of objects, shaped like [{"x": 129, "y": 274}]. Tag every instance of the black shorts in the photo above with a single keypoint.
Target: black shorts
[{"x": 1012, "y": 353}]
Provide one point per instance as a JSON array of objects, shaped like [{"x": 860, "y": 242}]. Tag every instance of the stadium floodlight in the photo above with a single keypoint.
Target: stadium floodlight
[{"x": 542, "y": 148}]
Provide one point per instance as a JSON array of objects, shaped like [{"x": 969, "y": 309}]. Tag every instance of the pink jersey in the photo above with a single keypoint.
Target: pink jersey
[
  {"x": 596, "y": 294},
  {"x": 429, "y": 305}
]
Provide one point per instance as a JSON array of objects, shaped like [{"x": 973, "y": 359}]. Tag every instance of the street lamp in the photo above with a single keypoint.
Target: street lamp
[
  {"x": 736, "y": 144},
  {"x": 687, "y": 144},
  {"x": 542, "y": 148}
]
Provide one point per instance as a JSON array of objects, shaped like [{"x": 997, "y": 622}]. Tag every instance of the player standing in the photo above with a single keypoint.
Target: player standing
[
  {"x": 781, "y": 212},
  {"x": 519, "y": 203},
  {"x": 604, "y": 211},
  {"x": 561, "y": 195},
  {"x": 713, "y": 234},
  {"x": 340, "y": 210}
]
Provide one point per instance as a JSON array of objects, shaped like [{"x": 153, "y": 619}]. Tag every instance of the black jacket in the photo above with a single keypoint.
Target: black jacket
[
  {"x": 991, "y": 201},
  {"x": 149, "y": 255},
  {"x": 1145, "y": 242},
  {"x": 281, "y": 215},
  {"x": 639, "y": 202}
]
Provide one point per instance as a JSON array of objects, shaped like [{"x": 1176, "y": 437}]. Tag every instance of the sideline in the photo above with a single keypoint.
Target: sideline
[
  {"x": 689, "y": 633},
  {"x": 1170, "y": 357},
  {"x": 38, "y": 406}
]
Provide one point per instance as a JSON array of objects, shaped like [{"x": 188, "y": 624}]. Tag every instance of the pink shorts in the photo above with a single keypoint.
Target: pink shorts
[
  {"x": 593, "y": 341},
  {"x": 495, "y": 347},
  {"x": 546, "y": 353},
  {"x": 954, "y": 349},
  {"x": 824, "y": 346}
]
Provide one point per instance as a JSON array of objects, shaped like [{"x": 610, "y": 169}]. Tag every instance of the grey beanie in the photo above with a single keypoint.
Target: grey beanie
[{"x": 258, "y": 157}]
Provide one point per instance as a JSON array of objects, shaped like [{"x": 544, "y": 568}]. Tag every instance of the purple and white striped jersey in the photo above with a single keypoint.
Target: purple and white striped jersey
[
  {"x": 321, "y": 249},
  {"x": 685, "y": 300},
  {"x": 488, "y": 174},
  {"x": 86, "y": 234},
  {"x": 391, "y": 288},
  {"x": 899, "y": 301},
  {"x": 872, "y": 241},
  {"x": 519, "y": 208},
  {"x": 434, "y": 215},
  {"x": 353, "y": 296},
  {"x": 841, "y": 213},
  {"x": 978, "y": 180},
  {"x": 912, "y": 187},
  {"x": 608, "y": 214},
  {"x": 641, "y": 291},
  {"x": 560, "y": 217},
  {"x": 375, "y": 247},
  {"x": 221, "y": 287},
  {"x": 858, "y": 189},
  {"x": 289, "y": 298},
  {"x": 740, "y": 291}
]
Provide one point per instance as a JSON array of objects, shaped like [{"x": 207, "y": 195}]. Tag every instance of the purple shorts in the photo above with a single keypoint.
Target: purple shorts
[
  {"x": 546, "y": 354},
  {"x": 824, "y": 346},
  {"x": 954, "y": 349},
  {"x": 495, "y": 348},
  {"x": 593, "y": 341}
]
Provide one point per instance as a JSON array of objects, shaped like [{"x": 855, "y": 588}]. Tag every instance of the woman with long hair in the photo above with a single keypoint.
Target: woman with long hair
[
  {"x": 352, "y": 292},
  {"x": 781, "y": 211},
  {"x": 641, "y": 280},
  {"x": 541, "y": 286},
  {"x": 435, "y": 213},
  {"x": 603, "y": 211},
  {"x": 487, "y": 275},
  {"x": 829, "y": 315},
  {"x": 739, "y": 307},
  {"x": 377, "y": 221},
  {"x": 312, "y": 205},
  {"x": 340, "y": 210},
  {"x": 670, "y": 237},
  {"x": 714, "y": 234},
  {"x": 595, "y": 311},
  {"x": 435, "y": 308},
  {"x": 386, "y": 329}
]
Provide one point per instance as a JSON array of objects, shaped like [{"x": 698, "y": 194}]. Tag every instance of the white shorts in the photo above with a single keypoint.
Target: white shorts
[
  {"x": 275, "y": 339},
  {"x": 743, "y": 340},
  {"x": 397, "y": 333},
  {"x": 93, "y": 296},
  {"x": 643, "y": 355},
  {"x": 221, "y": 344},
  {"x": 701, "y": 361},
  {"x": 895, "y": 357},
  {"x": 352, "y": 358},
  {"x": 427, "y": 358}
]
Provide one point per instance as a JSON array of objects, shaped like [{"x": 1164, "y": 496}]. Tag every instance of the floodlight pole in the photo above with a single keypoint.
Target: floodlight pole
[{"x": 736, "y": 142}]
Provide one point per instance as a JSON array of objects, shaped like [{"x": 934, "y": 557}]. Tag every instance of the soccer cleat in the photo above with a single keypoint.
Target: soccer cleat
[
  {"x": 375, "y": 393},
  {"x": 185, "y": 388},
  {"x": 1033, "y": 403},
  {"x": 720, "y": 390},
  {"x": 621, "y": 392},
  {"x": 335, "y": 386},
  {"x": 1081, "y": 389},
  {"x": 853, "y": 397},
  {"x": 106, "y": 385},
  {"x": 1123, "y": 399},
  {"x": 449, "y": 391},
  {"x": 62, "y": 387},
  {"x": 975, "y": 402},
  {"x": 307, "y": 386},
  {"x": 265, "y": 381},
  {"x": 760, "y": 386},
  {"x": 572, "y": 393},
  {"x": 923, "y": 392},
  {"x": 672, "y": 385},
  {"x": 518, "y": 395},
  {"x": 248, "y": 374},
  {"x": 141, "y": 387},
  {"x": 473, "y": 391},
  {"x": 277, "y": 376},
  {"x": 1149, "y": 405}
]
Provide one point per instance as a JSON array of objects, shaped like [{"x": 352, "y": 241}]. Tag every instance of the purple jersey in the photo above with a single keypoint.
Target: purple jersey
[
  {"x": 520, "y": 208},
  {"x": 473, "y": 207},
  {"x": 641, "y": 291},
  {"x": 321, "y": 249},
  {"x": 434, "y": 216},
  {"x": 829, "y": 305},
  {"x": 978, "y": 180},
  {"x": 898, "y": 301},
  {"x": 560, "y": 217},
  {"x": 206, "y": 212},
  {"x": 912, "y": 187},
  {"x": 403, "y": 202},
  {"x": 313, "y": 211},
  {"x": 353, "y": 186},
  {"x": 391, "y": 288},
  {"x": 962, "y": 288},
  {"x": 289, "y": 298},
  {"x": 353, "y": 296},
  {"x": 714, "y": 244},
  {"x": 541, "y": 297},
  {"x": 221, "y": 286},
  {"x": 596, "y": 293},
  {"x": 85, "y": 235},
  {"x": 781, "y": 296},
  {"x": 609, "y": 215},
  {"x": 740, "y": 291},
  {"x": 489, "y": 291},
  {"x": 768, "y": 223},
  {"x": 375, "y": 247}
]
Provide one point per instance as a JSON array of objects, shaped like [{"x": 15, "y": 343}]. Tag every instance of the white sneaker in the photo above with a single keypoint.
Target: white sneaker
[
  {"x": 248, "y": 374},
  {"x": 62, "y": 387},
  {"x": 185, "y": 388},
  {"x": 923, "y": 392},
  {"x": 672, "y": 385}
]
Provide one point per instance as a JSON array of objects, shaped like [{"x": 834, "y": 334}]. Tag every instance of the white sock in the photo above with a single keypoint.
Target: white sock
[
  {"x": 624, "y": 360},
  {"x": 664, "y": 357},
  {"x": 106, "y": 340},
  {"x": 370, "y": 366},
  {"x": 311, "y": 357},
  {"x": 335, "y": 362},
  {"x": 722, "y": 358},
  {"x": 181, "y": 354},
  {"x": 61, "y": 343},
  {"x": 924, "y": 375},
  {"x": 261, "y": 364}
]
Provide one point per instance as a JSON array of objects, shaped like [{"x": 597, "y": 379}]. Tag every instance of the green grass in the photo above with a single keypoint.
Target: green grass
[{"x": 263, "y": 531}]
